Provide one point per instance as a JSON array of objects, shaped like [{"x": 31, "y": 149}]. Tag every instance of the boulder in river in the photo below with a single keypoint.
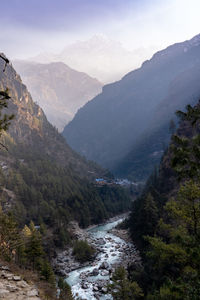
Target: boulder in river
[
  {"x": 105, "y": 273},
  {"x": 84, "y": 285},
  {"x": 101, "y": 241},
  {"x": 104, "y": 289},
  {"x": 101, "y": 283},
  {"x": 95, "y": 272},
  {"x": 83, "y": 275},
  {"x": 104, "y": 265},
  {"x": 95, "y": 288}
]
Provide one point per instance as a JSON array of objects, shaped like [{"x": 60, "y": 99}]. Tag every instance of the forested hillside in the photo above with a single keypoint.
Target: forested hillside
[
  {"x": 164, "y": 223},
  {"x": 42, "y": 179}
]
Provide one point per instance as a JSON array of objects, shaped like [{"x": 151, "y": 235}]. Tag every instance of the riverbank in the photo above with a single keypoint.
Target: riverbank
[
  {"x": 122, "y": 234},
  {"x": 64, "y": 262},
  {"x": 110, "y": 220},
  {"x": 89, "y": 281}
]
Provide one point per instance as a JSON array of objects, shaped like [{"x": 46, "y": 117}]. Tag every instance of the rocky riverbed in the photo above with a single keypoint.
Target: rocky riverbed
[
  {"x": 113, "y": 247},
  {"x": 65, "y": 262}
]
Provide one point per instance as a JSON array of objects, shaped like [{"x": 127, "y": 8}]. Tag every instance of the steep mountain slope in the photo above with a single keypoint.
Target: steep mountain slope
[
  {"x": 152, "y": 143},
  {"x": 58, "y": 89},
  {"x": 31, "y": 128},
  {"x": 42, "y": 178},
  {"x": 111, "y": 126}
]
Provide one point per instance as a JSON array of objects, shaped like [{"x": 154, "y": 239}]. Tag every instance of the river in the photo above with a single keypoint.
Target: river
[{"x": 83, "y": 283}]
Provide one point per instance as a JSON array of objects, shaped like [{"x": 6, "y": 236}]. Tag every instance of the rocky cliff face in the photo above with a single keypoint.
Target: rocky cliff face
[
  {"x": 120, "y": 120},
  {"x": 30, "y": 127},
  {"x": 58, "y": 89}
]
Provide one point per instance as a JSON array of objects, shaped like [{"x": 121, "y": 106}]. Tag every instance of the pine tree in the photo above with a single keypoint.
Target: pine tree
[
  {"x": 9, "y": 236},
  {"x": 34, "y": 249},
  {"x": 122, "y": 288},
  {"x": 150, "y": 214},
  {"x": 175, "y": 251},
  {"x": 172, "y": 126},
  {"x": 174, "y": 256},
  {"x": 65, "y": 290},
  {"x": 47, "y": 272}
]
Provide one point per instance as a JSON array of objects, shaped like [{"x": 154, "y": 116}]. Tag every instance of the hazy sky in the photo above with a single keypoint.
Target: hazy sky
[{"x": 29, "y": 27}]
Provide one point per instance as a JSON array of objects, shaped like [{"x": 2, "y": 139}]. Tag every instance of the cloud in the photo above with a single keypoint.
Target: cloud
[
  {"x": 62, "y": 14},
  {"x": 32, "y": 26}
]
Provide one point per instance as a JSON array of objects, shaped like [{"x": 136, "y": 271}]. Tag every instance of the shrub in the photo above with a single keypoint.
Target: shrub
[{"x": 82, "y": 251}]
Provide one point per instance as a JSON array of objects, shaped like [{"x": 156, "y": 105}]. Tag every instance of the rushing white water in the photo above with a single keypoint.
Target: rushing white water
[{"x": 110, "y": 253}]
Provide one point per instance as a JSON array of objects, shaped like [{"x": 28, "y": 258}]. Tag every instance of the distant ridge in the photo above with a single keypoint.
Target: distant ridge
[
  {"x": 100, "y": 57},
  {"x": 58, "y": 89}
]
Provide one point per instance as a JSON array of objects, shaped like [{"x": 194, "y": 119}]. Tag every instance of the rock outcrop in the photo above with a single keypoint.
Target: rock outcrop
[{"x": 13, "y": 287}]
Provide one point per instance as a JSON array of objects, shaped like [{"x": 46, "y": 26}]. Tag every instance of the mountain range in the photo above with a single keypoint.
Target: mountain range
[
  {"x": 126, "y": 127},
  {"x": 100, "y": 57},
  {"x": 58, "y": 89}
]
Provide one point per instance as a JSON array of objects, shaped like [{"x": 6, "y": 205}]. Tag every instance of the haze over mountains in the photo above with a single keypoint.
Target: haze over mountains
[
  {"x": 30, "y": 128},
  {"x": 120, "y": 127},
  {"x": 48, "y": 180},
  {"x": 100, "y": 57},
  {"x": 58, "y": 89}
]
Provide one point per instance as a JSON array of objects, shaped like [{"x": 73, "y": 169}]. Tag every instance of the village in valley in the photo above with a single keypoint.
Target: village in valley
[{"x": 116, "y": 181}]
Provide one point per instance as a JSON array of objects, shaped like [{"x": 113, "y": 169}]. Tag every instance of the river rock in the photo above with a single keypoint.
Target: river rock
[
  {"x": 101, "y": 283},
  {"x": 101, "y": 241},
  {"x": 104, "y": 265},
  {"x": 104, "y": 273},
  {"x": 104, "y": 289},
  {"x": 83, "y": 275},
  {"x": 84, "y": 285},
  {"x": 95, "y": 272}
]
